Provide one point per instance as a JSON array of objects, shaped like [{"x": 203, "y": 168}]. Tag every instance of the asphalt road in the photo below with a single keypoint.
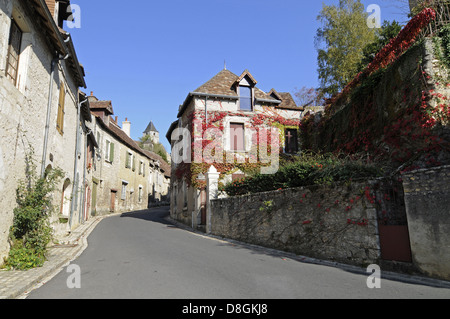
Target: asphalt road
[{"x": 141, "y": 256}]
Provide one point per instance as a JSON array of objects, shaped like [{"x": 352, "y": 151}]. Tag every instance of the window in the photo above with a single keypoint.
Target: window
[
  {"x": 124, "y": 190},
  {"x": 237, "y": 137},
  {"x": 140, "y": 194},
  {"x": 129, "y": 160},
  {"x": 14, "y": 46},
  {"x": 61, "y": 103},
  {"x": 291, "y": 141},
  {"x": 141, "y": 168},
  {"x": 109, "y": 154},
  {"x": 245, "y": 98}
]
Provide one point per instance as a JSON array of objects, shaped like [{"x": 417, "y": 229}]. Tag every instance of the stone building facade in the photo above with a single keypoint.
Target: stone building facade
[
  {"x": 233, "y": 109},
  {"x": 41, "y": 110},
  {"x": 124, "y": 176}
]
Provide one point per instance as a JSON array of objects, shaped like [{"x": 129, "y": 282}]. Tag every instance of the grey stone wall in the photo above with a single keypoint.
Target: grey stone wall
[
  {"x": 427, "y": 199},
  {"x": 333, "y": 223}
]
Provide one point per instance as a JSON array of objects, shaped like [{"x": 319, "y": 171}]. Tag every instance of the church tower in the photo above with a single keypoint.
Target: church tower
[{"x": 152, "y": 132}]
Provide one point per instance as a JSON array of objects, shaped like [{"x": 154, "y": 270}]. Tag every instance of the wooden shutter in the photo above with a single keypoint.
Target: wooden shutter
[
  {"x": 15, "y": 40},
  {"x": 61, "y": 105},
  {"x": 237, "y": 137},
  {"x": 111, "y": 152}
]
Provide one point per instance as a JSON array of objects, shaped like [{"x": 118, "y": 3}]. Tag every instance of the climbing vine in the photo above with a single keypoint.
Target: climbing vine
[{"x": 207, "y": 148}]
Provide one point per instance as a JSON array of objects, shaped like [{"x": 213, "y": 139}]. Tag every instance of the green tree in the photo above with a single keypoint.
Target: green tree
[
  {"x": 388, "y": 31},
  {"x": 340, "y": 42}
]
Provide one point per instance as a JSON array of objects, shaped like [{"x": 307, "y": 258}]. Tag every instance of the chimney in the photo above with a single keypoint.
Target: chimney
[
  {"x": 51, "y": 4},
  {"x": 126, "y": 127}
]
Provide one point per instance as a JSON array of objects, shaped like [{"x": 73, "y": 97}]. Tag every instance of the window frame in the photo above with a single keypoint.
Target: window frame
[
  {"x": 109, "y": 154},
  {"x": 251, "y": 98},
  {"x": 233, "y": 146},
  {"x": 8, "y": 75},
  {"x": 287, "y": 149}
]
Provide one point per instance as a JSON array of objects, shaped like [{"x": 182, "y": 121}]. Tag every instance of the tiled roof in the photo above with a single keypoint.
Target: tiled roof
[
  {"x": 224, "y": 83},
  {"x": 96, "y": 105},
  {"x": 287, "y": 101}
]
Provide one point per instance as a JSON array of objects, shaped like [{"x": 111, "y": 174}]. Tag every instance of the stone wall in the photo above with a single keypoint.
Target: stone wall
[
  {"x": 23, "y": 108},
  {"x": 333, "y": 223},
  {"x": 427, "y": 198}
]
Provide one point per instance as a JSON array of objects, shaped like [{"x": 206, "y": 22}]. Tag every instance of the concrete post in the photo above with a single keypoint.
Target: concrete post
[{"x": 212, "y": 192}]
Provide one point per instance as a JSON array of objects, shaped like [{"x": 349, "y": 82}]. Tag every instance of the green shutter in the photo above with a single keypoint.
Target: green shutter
[
  {"x": 134, "y": 163},
  {"x": 111, "y": 153}
]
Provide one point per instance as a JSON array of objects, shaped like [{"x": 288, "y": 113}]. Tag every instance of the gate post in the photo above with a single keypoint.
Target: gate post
[{"x": 212, "y": 192}]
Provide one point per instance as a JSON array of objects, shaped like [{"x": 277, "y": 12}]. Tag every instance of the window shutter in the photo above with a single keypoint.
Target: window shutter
[
  {"x": 111, "y": 153},
  {"x": 14, "y": 44},
  {"x": 143, "y": 170},
  {"x": 127, "y": 162},
  {"x": 134, "y": 164},
  {"x": 62, "y": 98}
]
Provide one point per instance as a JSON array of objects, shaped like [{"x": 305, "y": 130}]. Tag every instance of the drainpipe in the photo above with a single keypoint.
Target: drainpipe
[
  {"x": 49, "y": 111},
  {"x": 75, "y": 182}
]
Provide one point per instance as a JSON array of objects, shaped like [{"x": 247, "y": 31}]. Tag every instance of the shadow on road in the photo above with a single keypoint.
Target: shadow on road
[{"x": 157, "y": 215}]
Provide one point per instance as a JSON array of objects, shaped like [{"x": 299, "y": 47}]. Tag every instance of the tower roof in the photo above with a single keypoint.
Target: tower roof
[{"x": 150, "y": 128}]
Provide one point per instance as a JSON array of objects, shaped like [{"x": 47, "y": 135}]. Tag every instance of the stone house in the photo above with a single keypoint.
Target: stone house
[
  {"x": 235, "y": 110},
  {"x": 41, "y": 107},
  {"x": 124, "y": 176}
]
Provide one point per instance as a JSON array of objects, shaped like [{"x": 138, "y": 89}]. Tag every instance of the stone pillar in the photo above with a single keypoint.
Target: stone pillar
[{"x": 212, "y": 192}]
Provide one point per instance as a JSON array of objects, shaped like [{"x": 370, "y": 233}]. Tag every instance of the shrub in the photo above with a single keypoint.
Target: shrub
[
  {"x": 31, "y": 233},
  {"x": 305, "y": 170}
]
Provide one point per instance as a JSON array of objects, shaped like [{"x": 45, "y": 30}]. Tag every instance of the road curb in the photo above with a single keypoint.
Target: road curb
[{"x": 60, "y": 256}]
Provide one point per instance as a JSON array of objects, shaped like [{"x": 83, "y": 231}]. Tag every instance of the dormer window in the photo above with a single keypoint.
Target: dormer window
[
  {"x": 245, "y": 98},
  {"x": 245, "y": 87}
]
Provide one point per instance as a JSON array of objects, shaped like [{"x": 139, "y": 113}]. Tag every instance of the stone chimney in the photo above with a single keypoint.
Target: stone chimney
[{"x": 126, "y": 127}]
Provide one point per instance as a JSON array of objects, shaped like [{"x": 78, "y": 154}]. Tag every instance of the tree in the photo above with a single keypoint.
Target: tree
[
  {"x": 388, "y": 31},
  {"x": 340, "y": 43},
  {"x": 308, "y": 95}
]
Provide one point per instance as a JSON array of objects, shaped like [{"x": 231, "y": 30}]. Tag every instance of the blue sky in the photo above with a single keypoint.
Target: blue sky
[{"x": 146, "y": 56}]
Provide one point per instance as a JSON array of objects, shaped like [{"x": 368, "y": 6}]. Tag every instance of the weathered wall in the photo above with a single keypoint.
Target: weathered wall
[
  {"x": 23, "y": 108},
  {"x": 333, "y": 223},
  {"x": 427, "y": 198}
]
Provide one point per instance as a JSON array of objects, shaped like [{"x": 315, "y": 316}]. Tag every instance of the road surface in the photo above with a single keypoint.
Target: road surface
[{"x": 142, "y": 256}]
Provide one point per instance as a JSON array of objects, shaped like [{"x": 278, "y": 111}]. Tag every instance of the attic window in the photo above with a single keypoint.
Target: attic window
[{"x": 245, "y": 98}]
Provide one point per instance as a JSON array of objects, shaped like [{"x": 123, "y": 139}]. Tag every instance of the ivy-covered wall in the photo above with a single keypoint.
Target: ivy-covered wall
[{"x": 398, "y": 114}]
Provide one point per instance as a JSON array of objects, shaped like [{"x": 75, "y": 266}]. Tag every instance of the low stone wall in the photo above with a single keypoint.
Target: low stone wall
[
  {"x": 334, "y": 223},
  {"x": 427, "y": 199}
]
